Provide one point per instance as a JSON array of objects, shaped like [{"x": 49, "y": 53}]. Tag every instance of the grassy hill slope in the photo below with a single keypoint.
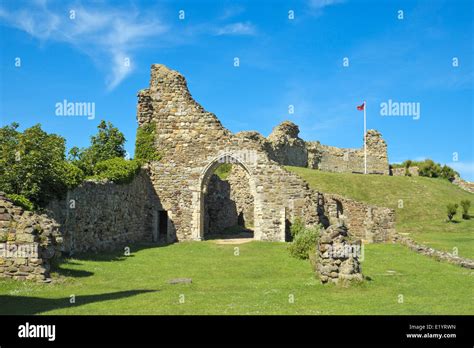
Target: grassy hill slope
[{"x": 423, "y": 215}]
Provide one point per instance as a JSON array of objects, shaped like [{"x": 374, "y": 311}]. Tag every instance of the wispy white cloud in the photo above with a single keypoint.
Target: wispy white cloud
[
  {"x": 231, "y": 11},
  {"x": 109, "y": 36},
  {"x": 238, "y": 28},
  {"x": 318, "y": 5}
]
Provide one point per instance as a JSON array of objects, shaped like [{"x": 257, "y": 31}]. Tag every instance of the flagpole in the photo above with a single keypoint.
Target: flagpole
[{"x": 365, "y": 138}]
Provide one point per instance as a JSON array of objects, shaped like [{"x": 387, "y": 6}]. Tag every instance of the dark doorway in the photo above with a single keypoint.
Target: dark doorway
[{"x": 162, "y": 225}]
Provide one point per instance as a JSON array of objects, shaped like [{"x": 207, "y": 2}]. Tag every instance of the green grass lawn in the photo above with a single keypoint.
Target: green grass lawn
[
  {"x": 258, "y": 281},
  {"x": 423, "y": 215}
]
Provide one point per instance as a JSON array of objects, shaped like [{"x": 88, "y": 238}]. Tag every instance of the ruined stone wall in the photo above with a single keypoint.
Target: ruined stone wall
[
  {"x": 340, "y": 160},
  {"x": 220, "y": 210},
  {"x": 465, "y": 185},
  {"x": 414, "y": 171},
  {"x": 370, "y": 223},
  {"x": 241, "y": 195},
  {"x": 193, "y": 143},
  {"x": 285, "y": 147},
  {"x": 338, "y": 256},
  {"x": 229, "y": 202},
  {"x": 28, "y": 242},
  {"x": 101, "y": 215}
]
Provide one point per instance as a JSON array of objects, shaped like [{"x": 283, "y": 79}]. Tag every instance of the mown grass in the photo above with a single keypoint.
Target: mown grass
[
  {"x": 423, "y": 215},
  {"x": 259, "y": 280}
]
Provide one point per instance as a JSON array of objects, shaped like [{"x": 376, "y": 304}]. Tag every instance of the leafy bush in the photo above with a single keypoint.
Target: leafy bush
[
  {"x": 451, "y": 209},
  {"x": 304, "y": 241},
  {"x": 118, "y": 170},
  {"x": 72, "y": 176},
  {"x": 296, "y": 227},
  {"x": 407, "y": 167},
  {"x": 21, "y": 201},
  {"x": 145, "y": 143},
  {"x": 33, "y": 164},
  {"x": 428, "y": 168},
  {"x": 465, "y": 204}
]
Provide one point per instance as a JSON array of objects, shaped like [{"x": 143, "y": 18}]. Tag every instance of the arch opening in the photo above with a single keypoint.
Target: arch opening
[{"x": 227, "y": 200}]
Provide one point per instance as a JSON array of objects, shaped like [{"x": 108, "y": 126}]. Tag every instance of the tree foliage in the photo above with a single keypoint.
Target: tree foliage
[
  {"x": 428, "y": 168},
  {"x": 108, "y": 143},
  {"x": 33, "y": 164}
]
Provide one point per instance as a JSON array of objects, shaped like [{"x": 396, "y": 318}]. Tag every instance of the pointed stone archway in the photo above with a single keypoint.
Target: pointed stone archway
[{"x": 206, "y": 174}]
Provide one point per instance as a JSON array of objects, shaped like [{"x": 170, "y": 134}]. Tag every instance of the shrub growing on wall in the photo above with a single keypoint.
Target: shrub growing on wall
[
  {"x": 145, "y": 143},
  {"x": 21, "y": 201}
]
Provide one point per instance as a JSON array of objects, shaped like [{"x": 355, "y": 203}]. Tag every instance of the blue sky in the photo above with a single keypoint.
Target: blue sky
[{"x": 282, "y": 62}]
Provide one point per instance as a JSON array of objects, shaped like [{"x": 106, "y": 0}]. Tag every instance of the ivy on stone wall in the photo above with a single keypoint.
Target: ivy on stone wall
[{"x": 145, "y": 143}]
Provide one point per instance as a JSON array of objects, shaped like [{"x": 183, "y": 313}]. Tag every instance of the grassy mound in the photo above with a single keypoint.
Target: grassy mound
[{"x": 423, "y": 215}]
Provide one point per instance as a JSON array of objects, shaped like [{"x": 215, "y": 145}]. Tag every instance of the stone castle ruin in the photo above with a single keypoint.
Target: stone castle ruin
[
  {"x": 194, "y": 143},
  {"x": 179, "y": 197}
]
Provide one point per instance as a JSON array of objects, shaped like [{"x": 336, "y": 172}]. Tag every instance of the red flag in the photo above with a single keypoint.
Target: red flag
[{"x": 361, "y": 107}]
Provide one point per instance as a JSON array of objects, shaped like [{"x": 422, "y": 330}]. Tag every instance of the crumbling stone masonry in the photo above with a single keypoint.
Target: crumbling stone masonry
[
  {"x": 284, "y": 146},
  {"x": 370, "y": 223},
  {"x": 173, "y": 199},
  {"x": 28, "y": 242},
  {"x": 193, "y": 144}
]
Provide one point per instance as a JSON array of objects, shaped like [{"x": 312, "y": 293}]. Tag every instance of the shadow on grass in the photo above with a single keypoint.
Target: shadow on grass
[
  {"x": 102, "y": 256},
  {"x": 24, "y": 305},
  {"x": 74, "y": 273},
  {"x": 234, "y": 232},
  {"x": 115, "y": 255}
]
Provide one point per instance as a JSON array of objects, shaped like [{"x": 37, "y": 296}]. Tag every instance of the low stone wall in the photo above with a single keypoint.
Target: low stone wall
[
  {"x": 28, "y": 242},
  {"x": 370, "y": 223},
  {"x": 465, "y": 185},
  {"x": 101, "y": 215},
  {"x": 414, "y": 171},
  {"x": 436, "y": 254}
]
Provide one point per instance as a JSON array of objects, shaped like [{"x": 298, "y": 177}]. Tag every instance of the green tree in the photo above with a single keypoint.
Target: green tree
[
  {"x": 33, "y": 164},
  {"x": 108, "y": 143}
]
